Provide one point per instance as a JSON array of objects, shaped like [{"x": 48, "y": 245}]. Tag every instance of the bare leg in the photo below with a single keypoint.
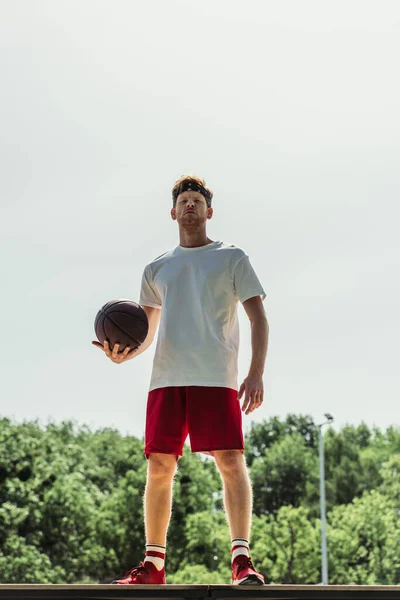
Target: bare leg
[
  {"x": 158, "y": 497},
  {"x": 238, "y": 496}
]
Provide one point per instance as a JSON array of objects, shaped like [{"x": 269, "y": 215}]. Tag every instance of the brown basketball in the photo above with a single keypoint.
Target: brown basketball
[{"x": 121, "y": 322}]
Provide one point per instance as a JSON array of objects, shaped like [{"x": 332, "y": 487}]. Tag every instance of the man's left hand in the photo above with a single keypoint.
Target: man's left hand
[{"x": 254, "y": 392}]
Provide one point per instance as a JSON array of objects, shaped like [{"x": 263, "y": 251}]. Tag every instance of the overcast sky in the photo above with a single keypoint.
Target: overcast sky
[{"x": 288, "y": 109}]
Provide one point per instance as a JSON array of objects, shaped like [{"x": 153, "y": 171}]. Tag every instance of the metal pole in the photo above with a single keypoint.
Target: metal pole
[
  {"x": 214, "y": 510},
  {"x": 323, "y": 509}
]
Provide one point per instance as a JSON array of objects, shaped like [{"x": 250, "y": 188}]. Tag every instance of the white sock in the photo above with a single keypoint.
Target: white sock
[
  {"x": 240, "y": 546},
  {"x": 155, "y": 554}
]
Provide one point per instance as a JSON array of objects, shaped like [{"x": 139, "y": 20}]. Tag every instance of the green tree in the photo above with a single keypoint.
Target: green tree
[
  {"x": 69, "y": 525},
  {"x": 207, "y": 540},
  {"x": 353, "y": 460},
  {"x": 390, "y": 474},
  {"x": 200, "y": 575},
  {"x": 196, "y": 484},
  {"x": 364, "y": 541},
  {"x": 282, "y": 476},
  {"x": 23, "y": 563},
  {"x": 120, "y": 525},
  {"x": 263, "y": 435},
  {"x": 71, "y": 505},
  {"x": 286, "y": 546}
]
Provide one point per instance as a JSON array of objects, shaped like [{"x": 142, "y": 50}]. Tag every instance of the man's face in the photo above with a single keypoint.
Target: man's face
[{"x": 191, "y": 209}]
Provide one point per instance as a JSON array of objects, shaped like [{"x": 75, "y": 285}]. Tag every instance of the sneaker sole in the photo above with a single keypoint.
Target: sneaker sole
[{"x": 250, "y": 580}]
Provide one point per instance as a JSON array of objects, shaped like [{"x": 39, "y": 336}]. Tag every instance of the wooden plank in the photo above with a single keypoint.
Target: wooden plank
[
  {"x": 199, "y": 592},
  {"x": 305, "y": 592},
  {"x": 102, "y": 592}
]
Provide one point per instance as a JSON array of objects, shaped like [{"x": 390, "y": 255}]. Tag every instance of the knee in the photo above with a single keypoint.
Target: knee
[
  {"x": 229, "y": 462},
  {"x": 161, "y": 466}
]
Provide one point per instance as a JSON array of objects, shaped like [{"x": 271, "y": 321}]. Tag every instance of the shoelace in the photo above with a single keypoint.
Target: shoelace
[
  {"x": 245, "y": 562},
  {"x": 135, "y": 570}
]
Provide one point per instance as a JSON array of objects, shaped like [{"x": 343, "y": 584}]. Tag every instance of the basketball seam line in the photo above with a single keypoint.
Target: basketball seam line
[
  {"x": 119, "y": 312},
  {"x": 127, "y": 334},
  {"x": 120, "y": 302}
]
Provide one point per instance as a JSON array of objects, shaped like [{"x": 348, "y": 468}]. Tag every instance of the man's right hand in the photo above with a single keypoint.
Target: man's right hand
[{"x": 114, "y": 355}]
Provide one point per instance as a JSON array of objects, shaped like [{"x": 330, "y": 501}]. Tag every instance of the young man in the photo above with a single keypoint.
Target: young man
[{"x": 194, "y": 390}]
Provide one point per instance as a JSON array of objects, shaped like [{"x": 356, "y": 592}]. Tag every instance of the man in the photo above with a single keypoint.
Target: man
[{"x": 194, "y": 289}]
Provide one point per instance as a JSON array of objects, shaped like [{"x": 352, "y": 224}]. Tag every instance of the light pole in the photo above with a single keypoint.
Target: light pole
[
  {"x": 324, "y": 550},
  {"x": 215, "y": 496}
]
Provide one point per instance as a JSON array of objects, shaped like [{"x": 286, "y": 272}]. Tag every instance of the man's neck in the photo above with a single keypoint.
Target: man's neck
[{"x": 193, "y": 240}]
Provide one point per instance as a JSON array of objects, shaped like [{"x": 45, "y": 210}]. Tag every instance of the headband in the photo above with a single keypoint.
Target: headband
[{"x": 195, "y": 187}]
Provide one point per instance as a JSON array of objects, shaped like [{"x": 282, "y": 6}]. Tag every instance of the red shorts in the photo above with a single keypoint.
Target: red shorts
[{"x": 210, "y": 415}]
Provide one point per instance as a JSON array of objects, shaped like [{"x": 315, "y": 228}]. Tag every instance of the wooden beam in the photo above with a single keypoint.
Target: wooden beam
[{"x": 197, "y": 592}]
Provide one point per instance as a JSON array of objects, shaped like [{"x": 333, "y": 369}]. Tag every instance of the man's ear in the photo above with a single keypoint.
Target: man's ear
[
  {"x": 173, "y": 214},
  {"x": 210, "y": 213}
]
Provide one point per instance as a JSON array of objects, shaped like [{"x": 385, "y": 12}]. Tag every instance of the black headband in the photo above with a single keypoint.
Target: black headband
[{"x": 195, "y": 187}]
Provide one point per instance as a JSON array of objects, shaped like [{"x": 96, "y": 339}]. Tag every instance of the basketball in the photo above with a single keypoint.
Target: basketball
[{"x": 121, "y": 322}]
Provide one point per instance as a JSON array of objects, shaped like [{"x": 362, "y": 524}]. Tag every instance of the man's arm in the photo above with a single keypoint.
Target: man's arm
[
  {"x": 153, "y": 316},
  {"x": 259, "y": 333},
  {"x": 253, "y": 384}
]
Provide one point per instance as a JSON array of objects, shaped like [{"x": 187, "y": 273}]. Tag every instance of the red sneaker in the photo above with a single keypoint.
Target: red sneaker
[
  {"x": 244, "y": 573},
  {"x": 146, "y": 573}
]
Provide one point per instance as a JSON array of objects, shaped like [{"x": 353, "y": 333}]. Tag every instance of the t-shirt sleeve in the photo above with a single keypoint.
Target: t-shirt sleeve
[
  {"x": 149, "y": 295},
  {"x": 245, "y": 281}
]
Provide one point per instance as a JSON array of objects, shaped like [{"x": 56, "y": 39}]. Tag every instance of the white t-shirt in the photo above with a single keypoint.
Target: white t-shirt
[{"x": 198, "y": 290}]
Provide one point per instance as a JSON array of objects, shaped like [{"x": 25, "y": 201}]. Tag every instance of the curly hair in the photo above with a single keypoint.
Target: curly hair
[{"x": 196, "y": 179}]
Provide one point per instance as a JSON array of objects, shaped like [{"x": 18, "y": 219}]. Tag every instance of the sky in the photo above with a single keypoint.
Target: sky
[{"x": 289, "y": 110}]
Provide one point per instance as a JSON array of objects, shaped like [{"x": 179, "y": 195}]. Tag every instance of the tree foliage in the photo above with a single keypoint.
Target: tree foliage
[
  {"x": 282, "y": 475},
  {"x": 71, "y": 505},
  {"x": 364, "y": 541},
  {"x": 287, "y": 546}
]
